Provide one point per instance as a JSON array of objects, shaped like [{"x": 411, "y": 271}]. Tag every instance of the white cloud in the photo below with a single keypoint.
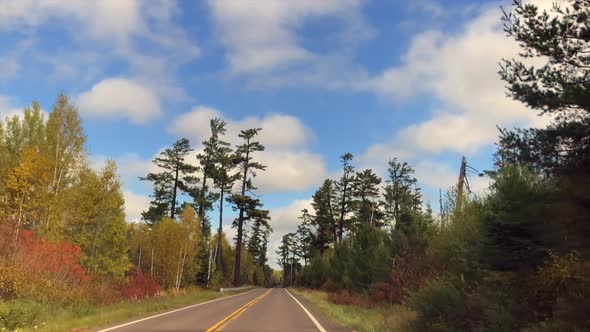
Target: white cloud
[
  {"x": 134, "y": 205},
  {"x": 100, "y": 33},
  {"x": 120, "y": 98},
  {"x": 7, "y": 109},
  {"x": 264, "y": 45},
  {"x": 290, "y": 171},
  {"x": 277, "y": 129},
  {"x": 285, "y": 220},
  {"x": 289, "y": 165},
  {"x": 459, "y": 71}
]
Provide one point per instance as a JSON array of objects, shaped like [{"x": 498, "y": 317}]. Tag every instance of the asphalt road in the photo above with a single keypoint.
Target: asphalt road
[{"x": 269, "y": 310}]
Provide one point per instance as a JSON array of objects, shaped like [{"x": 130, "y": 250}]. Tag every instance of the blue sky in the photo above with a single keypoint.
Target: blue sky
[{"x": 415, "y": 80}]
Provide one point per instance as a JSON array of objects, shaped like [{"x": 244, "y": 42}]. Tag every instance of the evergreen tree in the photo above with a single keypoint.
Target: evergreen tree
[
  {"x": 343, "y": 190},
  {"x": 175, "y": 176},
  {"x": 400, "y": 192},
  {"x": 304, "y": 236},
  {"x": 324, "y": 221},
  {"x": 224, "y": 179},
  {"x": 259, "y": 234},
  {"x": 242, "y": 202},
  {"x": 203, "y": 197},
  {"x": 560, "y": 87},
  {"x": 365, "y": 190}
]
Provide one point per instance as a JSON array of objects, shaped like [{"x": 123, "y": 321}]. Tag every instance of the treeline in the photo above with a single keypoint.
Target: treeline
[
  {"x": 64, "y": 240},
  {"x": 63, "y": 233},
  {"x": 188, "y": 251},
  {"x": 515, "y": 258}
]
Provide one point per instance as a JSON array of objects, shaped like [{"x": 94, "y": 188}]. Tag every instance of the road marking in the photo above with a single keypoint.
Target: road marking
[
  {"x": 221, "y": 324},
  {"x": 172, "y": 311},
  {"x": 315, "y": 321}
]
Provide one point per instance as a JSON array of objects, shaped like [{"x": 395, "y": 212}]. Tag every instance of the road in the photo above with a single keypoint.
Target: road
[{"x": 270, "y": 310}]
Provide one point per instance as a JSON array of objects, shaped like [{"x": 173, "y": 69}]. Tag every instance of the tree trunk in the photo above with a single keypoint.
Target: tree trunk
[
  {"x": 219, "y": 254},
  {"x": 173, "y": 205},
  {"x": 342, "y": 208},
  {"x": 237, "y": 268}
]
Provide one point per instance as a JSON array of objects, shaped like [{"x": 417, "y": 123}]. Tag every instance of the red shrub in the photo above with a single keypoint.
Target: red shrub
[
  {"x": 55, "y": 260},
  {"x": 141, "y": 286}
]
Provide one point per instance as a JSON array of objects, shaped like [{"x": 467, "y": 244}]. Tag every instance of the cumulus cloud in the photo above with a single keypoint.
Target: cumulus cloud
[
  {"x": 134, "y": 205},
  {"x": 278, "y": 129},
  {"x": 459, "y": 71},
  {"x": 263, "y": 45},
  {"x": 289, "y": 165},
  {"x": 118, "y": 98},
  {"x": 285, "y": 220}
]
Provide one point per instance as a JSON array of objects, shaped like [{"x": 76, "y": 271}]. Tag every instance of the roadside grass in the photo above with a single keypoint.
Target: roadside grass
[
  {"x": 394, "y": 318},
  {"x": 81, "y": 318}
]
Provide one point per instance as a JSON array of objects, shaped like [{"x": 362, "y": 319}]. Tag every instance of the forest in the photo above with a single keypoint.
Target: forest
[
  {"x": 63, "y": 234},
  {"x": 512, "y": 258}
]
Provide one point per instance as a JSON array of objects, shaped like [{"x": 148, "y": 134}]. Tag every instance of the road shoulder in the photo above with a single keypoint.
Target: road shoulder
[{"x": 322, "y": 318}]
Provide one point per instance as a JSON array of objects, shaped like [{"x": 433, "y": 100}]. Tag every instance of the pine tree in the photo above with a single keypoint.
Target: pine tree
[
  {"x": 259, "y": 234},
  {"x": 203, "y": 197},
  {"x": 343, "y": 189},
  {"x": 324, "y": 221},
  {"x": 365, "y": 190},
  {"x": 241, "y": 201},
  {"x": 400, "y": 192},
  {"x": 304, "y": 236},
  {"x": 224, "y": 179},
  {"x": 176, "y": 175},
  {"x": 560, "y": 87}
]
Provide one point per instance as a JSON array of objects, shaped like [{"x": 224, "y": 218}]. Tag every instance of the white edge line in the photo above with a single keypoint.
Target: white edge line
[
  {"x": 315, "y": 321},
  {"x": 172, "y": 311}
]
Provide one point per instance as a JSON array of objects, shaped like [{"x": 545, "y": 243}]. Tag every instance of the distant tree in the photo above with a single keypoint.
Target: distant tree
[
  {"x": 365, "y": 190},
  {"x": 324, "y": 222},
  {"x": 176, "y": 175},
  {"x": 400, "y": 195},
  {"x": 287, "y": 260},
  {"x": 207, "y": 159},
  {"x": 304, "y": 236},
  {"x": 259, "y": 234},
  {"x": 343, "y": 189},
  {"x": 241, "y": 201}
]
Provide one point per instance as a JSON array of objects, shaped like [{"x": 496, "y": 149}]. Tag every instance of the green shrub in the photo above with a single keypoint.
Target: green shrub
[
  {"x": 438, "y": 303},
  {"x": 19, "y": 313}
]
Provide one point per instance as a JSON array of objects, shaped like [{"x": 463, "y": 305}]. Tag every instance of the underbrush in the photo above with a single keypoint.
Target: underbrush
[{"x": 359, "y": 312}]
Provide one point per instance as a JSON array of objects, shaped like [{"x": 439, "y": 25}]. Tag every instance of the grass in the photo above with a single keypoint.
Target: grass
[
  {"x": 359, "y": 318},
  {"x": 81, "y": 318}
]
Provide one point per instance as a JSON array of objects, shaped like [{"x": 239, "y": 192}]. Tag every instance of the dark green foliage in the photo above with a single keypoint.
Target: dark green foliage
[
  {"x": 242, "y": 202},
  {"x": 364, "y": 260},
  {"x": 176, "y": 175},
  {"x": 324, "y": 223},
  {"x": 516, "y": 236},
  {"x": 365, "y": 190},
  {"x": 343, "y": 191},
  {"x": 561, "y": 87}
]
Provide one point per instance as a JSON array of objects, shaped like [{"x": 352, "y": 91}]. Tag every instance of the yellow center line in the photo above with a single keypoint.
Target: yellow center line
[{"x": 235, "y": 314}]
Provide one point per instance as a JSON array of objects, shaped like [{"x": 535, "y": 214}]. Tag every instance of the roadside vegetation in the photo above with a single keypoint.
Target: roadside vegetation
[
  {"x": 67, "y": 250},
  {"x": 512, "y": 259},
  {"x": 359, "y": 313}
]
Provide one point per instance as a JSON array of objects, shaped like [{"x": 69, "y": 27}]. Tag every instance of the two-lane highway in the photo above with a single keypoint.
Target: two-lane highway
[{"x": 258, "y": 310}]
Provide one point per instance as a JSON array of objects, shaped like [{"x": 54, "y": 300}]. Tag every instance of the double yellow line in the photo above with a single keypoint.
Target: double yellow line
[{"x": 221, "y": 324}]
